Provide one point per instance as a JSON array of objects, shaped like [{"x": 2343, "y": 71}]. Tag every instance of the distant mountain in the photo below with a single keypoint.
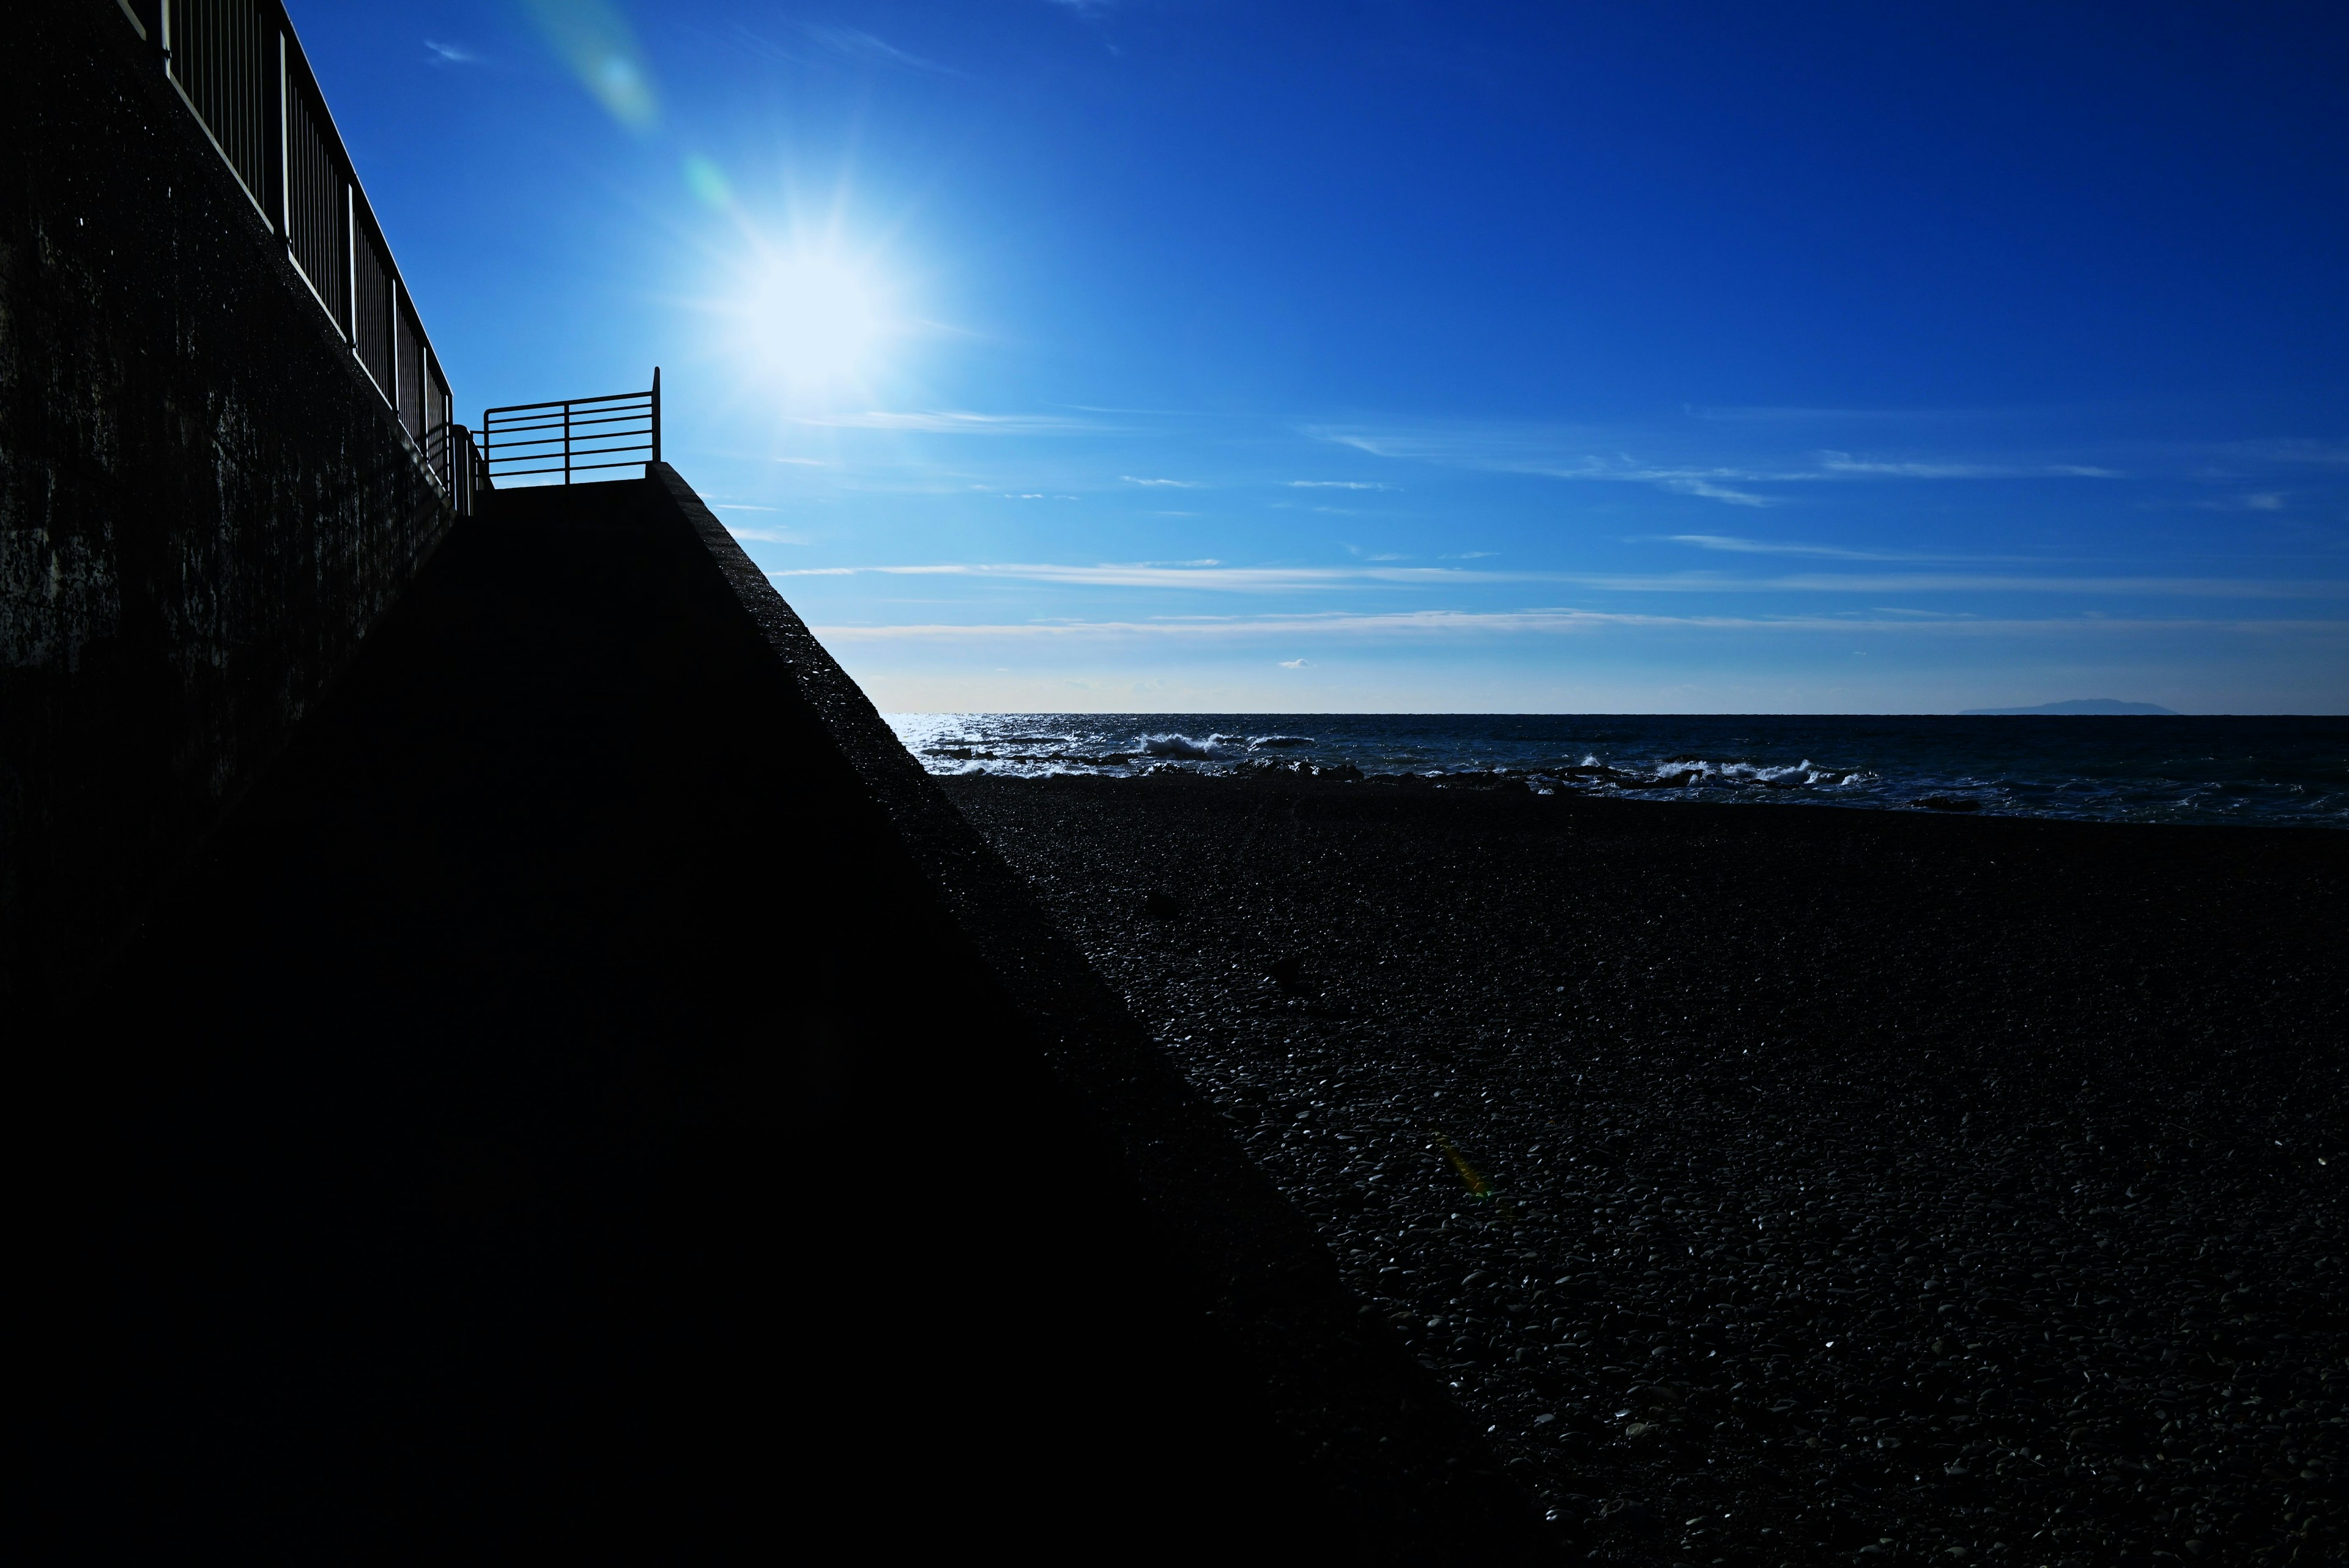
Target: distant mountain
[{"x": 2077, "y": 705}]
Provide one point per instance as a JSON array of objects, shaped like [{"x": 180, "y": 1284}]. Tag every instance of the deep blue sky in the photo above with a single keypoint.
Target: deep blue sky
[{"x": 1200, "y": 355}]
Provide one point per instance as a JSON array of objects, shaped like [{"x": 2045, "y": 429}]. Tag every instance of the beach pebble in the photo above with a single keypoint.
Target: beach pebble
[{"x": 1870, "y": 1185}]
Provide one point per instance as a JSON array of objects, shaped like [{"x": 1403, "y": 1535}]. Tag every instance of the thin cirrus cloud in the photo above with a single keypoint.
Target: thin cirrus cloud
[
  {"x": 1552, "y": 455},
  {"x": 1732, "y": 544},
  {"x": 2258, "y": 500},
  {"x": 1167, "y": 484},
  {"x": 1834, "y": 462},
  {"x": 850, "y": 44},
  {"x": 1711, "y": 491},
  {"x": 1209, "y": 575},
  {"x": 1219, "y": 578},
  {"x": 1438, "y": 623},
  {"x": 2327, "y": 454},
  {"x": 450, "y": 54},
  {"x": 950, "y": 422},
  {"x": 1610, "y": 456}
]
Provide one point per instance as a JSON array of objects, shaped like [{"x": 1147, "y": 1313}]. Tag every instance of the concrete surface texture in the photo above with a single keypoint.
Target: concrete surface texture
[
  {"x": 593, "y": 1100},
  {"x": 204, "y": 503}
]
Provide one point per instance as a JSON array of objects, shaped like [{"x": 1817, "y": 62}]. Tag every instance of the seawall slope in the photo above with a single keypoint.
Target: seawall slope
[{"x": 592, "y": 1097}]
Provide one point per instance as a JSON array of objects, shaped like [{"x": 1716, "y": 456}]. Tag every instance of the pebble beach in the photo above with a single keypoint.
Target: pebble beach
[{"x": 1785, "y": 1185}]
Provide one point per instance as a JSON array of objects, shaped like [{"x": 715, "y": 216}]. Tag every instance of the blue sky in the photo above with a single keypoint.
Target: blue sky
[{"x": 1182, "y": 354}]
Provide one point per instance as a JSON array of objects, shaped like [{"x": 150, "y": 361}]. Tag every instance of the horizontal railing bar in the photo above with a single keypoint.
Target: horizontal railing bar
[
  {"x": 558, "y": 469},
  {"x": 598, "y": 426},
  {"x": 556, "y": 411},
  {"x": 521, "y": 443},
  {"x": 530, "y": 451},
  {"x": 531, "y": 455},
  {"x": 641, "y": 424},
  {"x": 500, "y": 455},
  {"x": 511, "y": 454},
  {"x": 578, "y": 460},
  {"x": 524, "y": 453},
  {"x": 570, "y": 402},
  {"x": 644, "y": 419},
  {"x": 504, "y": 459}
]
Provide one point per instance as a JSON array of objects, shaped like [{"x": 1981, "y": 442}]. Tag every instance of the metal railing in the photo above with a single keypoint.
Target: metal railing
[
  {"x": 241, "y": 70},
  {"x": 468, "y": 477},
  {"x": 572, "y": 436}
]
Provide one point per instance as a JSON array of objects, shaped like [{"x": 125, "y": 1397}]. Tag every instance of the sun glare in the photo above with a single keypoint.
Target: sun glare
[{"x": 813, "y": 319}]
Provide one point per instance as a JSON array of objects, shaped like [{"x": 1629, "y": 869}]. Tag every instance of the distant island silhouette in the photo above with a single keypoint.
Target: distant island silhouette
[{"x": 2077, "y": 705}]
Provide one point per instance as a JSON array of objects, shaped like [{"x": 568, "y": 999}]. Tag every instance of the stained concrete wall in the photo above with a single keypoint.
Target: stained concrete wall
[{"x": 204, "y": 504}]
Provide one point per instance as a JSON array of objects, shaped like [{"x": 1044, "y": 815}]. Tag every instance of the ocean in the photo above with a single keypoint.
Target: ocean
[{"x": 2278, "y": 771}]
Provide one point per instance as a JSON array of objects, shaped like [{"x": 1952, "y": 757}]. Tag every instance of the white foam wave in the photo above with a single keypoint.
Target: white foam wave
[{"x": 1214, "y": 748}]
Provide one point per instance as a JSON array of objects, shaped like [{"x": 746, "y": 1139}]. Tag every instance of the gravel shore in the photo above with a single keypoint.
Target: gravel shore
[{"x": 1783, "y": 1184}]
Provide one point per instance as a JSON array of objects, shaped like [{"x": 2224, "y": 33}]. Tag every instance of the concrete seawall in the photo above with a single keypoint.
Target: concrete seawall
[
  {"x": 204, "y": 504},
  {"x": 597, "y": 1096}
]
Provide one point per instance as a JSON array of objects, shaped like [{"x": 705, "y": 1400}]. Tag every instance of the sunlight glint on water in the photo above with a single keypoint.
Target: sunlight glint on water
[{"x": 2273, "y": 771}]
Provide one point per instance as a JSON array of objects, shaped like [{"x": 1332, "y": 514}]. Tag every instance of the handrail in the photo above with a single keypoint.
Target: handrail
[
  {"x": 580, "y": 429},
  {"x": 240, "y": 68}
]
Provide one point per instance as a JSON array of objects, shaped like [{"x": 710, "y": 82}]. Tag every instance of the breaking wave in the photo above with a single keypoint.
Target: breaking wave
[{"x": 2158, "y": 769}]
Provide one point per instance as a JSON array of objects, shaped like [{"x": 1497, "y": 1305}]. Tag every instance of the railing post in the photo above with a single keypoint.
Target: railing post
[
  {"x": 391, "y": 299},
  {"x": 657, "y": 458},
  {"x": 566, "y": 443},
  {"x": 284, "y": 157},
  {"x": 351, "y": 265}
]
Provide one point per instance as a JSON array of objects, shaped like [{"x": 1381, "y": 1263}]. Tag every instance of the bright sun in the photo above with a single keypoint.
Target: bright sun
[{"x": 813, "y": 319}]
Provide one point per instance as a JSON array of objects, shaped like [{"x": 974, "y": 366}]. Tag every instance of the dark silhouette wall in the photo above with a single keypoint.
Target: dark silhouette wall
[{"x": 204, "y": 504}]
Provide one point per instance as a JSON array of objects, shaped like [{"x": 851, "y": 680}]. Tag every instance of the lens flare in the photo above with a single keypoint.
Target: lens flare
[{"x": 596, "y": 41}]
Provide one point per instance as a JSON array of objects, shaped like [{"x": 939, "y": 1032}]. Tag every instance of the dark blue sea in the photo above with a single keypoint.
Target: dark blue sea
[{"x": 2283, "y": 771}]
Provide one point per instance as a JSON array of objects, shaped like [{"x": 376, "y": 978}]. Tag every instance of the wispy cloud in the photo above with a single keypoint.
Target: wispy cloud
[
  {"x": 1202, "y": 576},
  {"x": 1426, "y": 623},
  {"x": 1565, "y": 455},
  {"x": 1616, "y": 456},
  {"x": 851, "y": 44},
  {"x": 865, "y": 48},
  {"x": 950, "y": 422},
  {"x": 1219, "y": 578},
  {"x": 1711, "y": 491},
  {"x": 1335, "y": 484},
  {"x": 2330, "y": 454},
  {"x": 1171, "y": 484},
  {"x": 2258, "y": 500},
  {"x": 450, "y": 54},
  {"x": 1294, "y": 664},
  {"x": 1844, "y": 463},
  {"x": 1736, "y": 546},
  {"x": 1764, "y": 414}
]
